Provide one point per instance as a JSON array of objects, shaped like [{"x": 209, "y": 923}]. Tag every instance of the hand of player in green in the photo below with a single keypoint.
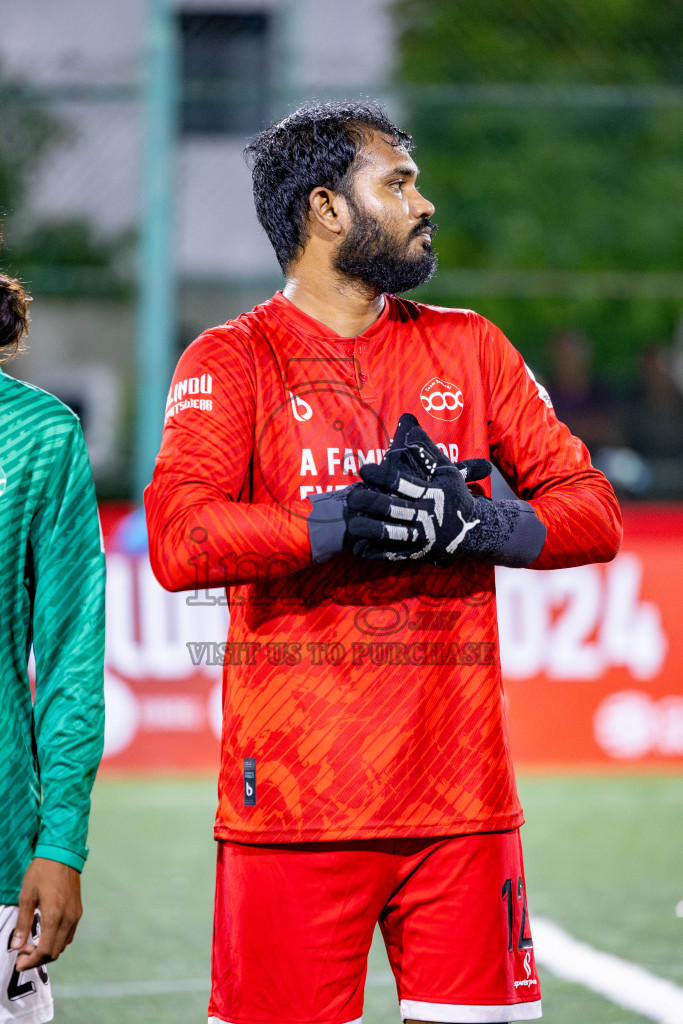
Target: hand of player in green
[{"x": 54, "y": 889}]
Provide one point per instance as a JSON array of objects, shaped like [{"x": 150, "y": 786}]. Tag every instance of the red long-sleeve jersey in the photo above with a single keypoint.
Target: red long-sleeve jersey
[{"x": 361, "y": 699}]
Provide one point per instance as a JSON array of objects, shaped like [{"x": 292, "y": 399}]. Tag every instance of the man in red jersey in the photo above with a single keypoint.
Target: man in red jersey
[{"x": 365, "y": 774}]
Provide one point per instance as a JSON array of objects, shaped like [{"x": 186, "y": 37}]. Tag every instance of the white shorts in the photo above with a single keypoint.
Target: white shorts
[{"x": 24, "y": 996}]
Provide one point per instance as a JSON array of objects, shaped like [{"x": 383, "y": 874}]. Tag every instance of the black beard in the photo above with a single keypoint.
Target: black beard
[{"x": 370, "y": 254}]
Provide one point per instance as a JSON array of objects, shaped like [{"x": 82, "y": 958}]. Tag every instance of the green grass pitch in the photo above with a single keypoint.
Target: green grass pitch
[{"x": 604, "y": 859}]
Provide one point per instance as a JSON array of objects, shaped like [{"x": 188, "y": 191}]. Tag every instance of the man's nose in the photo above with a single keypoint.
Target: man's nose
[{"x": 421, "y": 207}]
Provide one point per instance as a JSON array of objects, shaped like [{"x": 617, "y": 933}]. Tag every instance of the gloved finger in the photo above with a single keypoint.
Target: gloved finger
[
  {"x": 369, "y": 502},
  {"x": 366, "y": 528},
  {"x": 389, "y": 532},
  {"x": 386, "y": 473},
  {"x": 425, "y": 453},
  {"x": 391, "y": 551},
  {"x": 374, "y": 552},
  {"x": 381, "y": 475},
  {"x": 474, "y": 469},
  {"x": 406, "y": 423},
  {"x": 404, "y": 464}
]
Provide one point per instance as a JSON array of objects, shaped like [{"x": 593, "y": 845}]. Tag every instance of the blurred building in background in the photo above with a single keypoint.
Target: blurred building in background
[
  {"x": 75, "y": 71},
  {"x": 549, "y": 137}
]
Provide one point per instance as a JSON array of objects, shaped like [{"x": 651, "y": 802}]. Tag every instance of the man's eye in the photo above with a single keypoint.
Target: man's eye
[{"x": 398, "y": 185}]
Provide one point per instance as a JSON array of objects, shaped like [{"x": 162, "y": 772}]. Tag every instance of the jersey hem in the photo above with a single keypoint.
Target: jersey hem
[
  {"x": 450, "y": 1013},
  {"x": 423, "y": 831},
  {"x": 221, "y": 1020},
  {"x": 32, "y": 1016}
]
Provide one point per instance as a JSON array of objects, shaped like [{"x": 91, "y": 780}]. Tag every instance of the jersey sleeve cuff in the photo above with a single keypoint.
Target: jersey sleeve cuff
[
  {"x": 522, "y": 534},
  {"x": 58, "y": 853},
  {"x": 326, "y": 525}
]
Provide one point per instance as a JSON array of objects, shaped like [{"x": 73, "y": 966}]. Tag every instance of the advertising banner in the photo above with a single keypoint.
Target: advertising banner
[{"x": 592, "y": 657}]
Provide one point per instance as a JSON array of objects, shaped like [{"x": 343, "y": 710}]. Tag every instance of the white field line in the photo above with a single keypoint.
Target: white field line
[
  {"x": 625, "y": 984},
  {"x": 121, "y": 989}
]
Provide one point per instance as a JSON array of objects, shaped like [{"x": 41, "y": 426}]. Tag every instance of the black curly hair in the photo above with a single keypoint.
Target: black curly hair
[
  {"x": 14, "y": 302},
  {"x": 316, "y": 146}
]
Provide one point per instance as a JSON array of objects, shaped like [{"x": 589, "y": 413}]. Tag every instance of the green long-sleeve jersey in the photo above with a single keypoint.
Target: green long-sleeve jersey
[{"x": 51, "y": 596}]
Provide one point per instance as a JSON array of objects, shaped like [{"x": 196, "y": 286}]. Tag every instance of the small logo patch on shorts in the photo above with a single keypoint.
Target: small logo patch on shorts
[{"x": 250, "y": 782}]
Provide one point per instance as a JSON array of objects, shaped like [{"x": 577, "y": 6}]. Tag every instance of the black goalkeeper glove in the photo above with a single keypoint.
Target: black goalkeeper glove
[
  {"x": 329, "y": 517},
  {"x": 416, "y": 505}
]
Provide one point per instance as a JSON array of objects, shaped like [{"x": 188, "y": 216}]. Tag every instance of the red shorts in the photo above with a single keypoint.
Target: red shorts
[{"x": 294, "y": 922}]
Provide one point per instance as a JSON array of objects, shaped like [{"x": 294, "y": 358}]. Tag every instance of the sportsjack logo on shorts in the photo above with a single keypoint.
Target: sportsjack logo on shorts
[{"x": 528, "y": 981}]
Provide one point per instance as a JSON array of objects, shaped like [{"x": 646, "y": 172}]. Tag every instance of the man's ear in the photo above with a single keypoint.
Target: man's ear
[{"x": 329, "y": 211}]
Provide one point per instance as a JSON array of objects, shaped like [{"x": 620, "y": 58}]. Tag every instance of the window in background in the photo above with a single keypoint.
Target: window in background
[{"x": 225, "y": 62}]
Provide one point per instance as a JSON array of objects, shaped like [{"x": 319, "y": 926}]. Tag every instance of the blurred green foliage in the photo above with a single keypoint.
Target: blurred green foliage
[
  {"x": 550, "y": 137},
  {"x": 27, "y": 132},
  {"x": 62, "y": 257},
  {"x": 541, "y": 41}
]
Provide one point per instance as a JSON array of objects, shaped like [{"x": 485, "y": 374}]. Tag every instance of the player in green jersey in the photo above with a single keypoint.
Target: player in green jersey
[{"x": 51, "y": 597}]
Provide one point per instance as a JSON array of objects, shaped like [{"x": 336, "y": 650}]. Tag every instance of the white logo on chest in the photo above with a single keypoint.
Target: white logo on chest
[{"x": 301, "y": 409}]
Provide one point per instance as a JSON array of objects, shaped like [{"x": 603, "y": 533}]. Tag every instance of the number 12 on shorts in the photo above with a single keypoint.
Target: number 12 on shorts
[
  {"x": 18, "y": 989},
  {"x": 523, "y": 942}
]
